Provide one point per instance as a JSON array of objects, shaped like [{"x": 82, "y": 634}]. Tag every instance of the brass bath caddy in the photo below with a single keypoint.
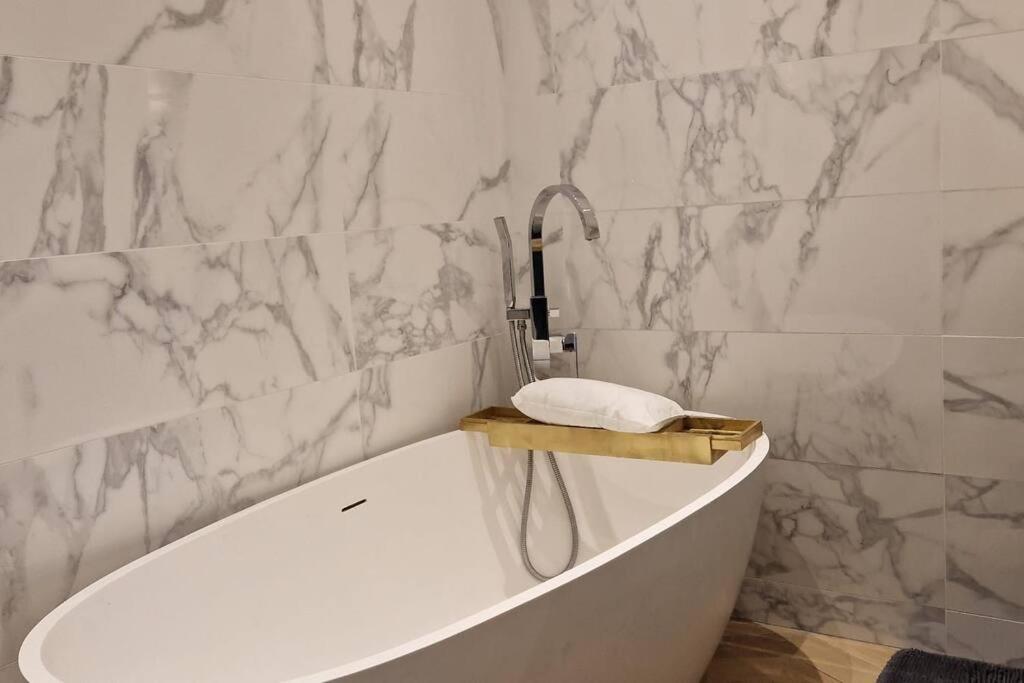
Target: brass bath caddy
[{"x": 689, "y": 439}]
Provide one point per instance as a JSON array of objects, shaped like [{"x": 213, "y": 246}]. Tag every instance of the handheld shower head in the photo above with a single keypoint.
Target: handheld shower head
[{"x": 507, "y": 263}]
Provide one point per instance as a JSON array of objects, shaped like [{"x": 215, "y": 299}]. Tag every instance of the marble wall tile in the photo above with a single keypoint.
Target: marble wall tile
[
  {"x": 97, "y": 344},
  {"x": 983, "y": 262},
  {"x": 851, "y": 125},
  {"x": 711, "y": 128},
  {"x": 417, "y": 159},
  {"x": 612, "y": 42},
  {"x": 373, "y": 44},
  {"x": 70, "y": 516},
  {"x": 889, "y": 623},
  {"x": 983, "y": 429},
  {"x": 985, "y": 547},
  {"x": 664, "y": 143},
  {"x": 228, "y": 159},
  {"x": 600, "y": 43},
  {"x": 990, "y": 640},
  {"x": 388, "y": 44},
  {"x": 779, "y": 266},
  {"x": 415, "y": 398},
  {"x": 852, "y": 265},
  {"x": 435, "y": 46},
  {"x": 421, "y": 288},
  {"x": 960, "y": 18},
  {"x": 65, "y": 179},
  {"x": 628, "y": 278},
  {"x": 868, "y": 532},
  {"x": 524, "y": 45},
  {"x": 612, "y": 146},
  {"x": 283, "y": 41},
  {"x": 983, "y": 112},
  {"x": 155, "y": 158},
  {"x": 864, "y": 400}
]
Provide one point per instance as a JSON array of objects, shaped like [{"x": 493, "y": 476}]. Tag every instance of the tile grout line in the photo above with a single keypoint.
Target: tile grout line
[
  {"x": 927, "y": 41},
  {"x": 230, "y": 405},
  {"x": 237, "y": 76}
]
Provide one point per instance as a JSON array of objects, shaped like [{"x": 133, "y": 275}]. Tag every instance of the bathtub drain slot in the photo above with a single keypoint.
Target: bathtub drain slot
[{"x": 353, "y": 505}]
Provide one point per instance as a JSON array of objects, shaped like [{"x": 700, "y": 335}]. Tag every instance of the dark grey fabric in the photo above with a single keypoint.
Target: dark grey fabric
[{"x": 915, "y": 666}]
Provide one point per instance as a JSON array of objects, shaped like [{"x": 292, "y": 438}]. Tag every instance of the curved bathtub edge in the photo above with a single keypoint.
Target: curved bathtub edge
[
  {"x": 757, "y": 456},
  {"x": 30, "y": 654}
]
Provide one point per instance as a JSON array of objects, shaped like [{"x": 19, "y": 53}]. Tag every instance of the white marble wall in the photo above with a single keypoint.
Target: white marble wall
[
  {"x": 813, "y": 212},
  {"x": 245, "y": 244},
  {"x": 242, "y": 245}
]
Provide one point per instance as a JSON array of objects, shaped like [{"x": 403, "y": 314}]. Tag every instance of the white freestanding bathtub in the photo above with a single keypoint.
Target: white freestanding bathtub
[{"x": 423, "y": 582}]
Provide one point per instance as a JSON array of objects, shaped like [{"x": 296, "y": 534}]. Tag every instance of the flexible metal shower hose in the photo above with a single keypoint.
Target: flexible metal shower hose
[{"x": 525, "y": 375}]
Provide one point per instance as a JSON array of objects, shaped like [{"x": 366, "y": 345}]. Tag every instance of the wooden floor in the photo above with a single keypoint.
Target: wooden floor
[{"x": 758, "y": 653}]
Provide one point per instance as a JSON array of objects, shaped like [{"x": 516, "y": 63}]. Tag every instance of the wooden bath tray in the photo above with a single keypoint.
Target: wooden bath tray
[{"x": 689, "y": 439}]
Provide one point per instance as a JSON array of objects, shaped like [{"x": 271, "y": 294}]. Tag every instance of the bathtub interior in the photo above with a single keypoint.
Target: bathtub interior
[{"x": 299, "y": 585}]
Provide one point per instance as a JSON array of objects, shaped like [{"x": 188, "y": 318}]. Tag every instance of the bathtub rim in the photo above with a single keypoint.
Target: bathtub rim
[{"x": 30, "y": 660}]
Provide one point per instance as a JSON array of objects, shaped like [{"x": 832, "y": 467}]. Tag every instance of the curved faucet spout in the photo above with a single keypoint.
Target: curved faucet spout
[
  {"x": 583, "y": 207},
  {"x": 539, "y": 311}
]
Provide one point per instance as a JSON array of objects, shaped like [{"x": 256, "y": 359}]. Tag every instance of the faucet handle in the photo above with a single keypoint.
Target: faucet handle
[
  {"x": 569, "y": 342},
  {"x": 554, "y": 313},
  {"x": 560, "y": 344}
]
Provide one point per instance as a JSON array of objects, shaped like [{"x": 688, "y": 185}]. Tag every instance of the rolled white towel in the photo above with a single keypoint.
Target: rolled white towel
[{"x": 592, "y": 403}]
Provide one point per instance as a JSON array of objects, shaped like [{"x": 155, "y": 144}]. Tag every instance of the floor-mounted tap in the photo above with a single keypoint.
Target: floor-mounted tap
[{"x": 539, "y": 312}]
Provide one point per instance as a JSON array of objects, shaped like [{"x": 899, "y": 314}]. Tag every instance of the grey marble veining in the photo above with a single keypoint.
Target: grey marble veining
[
  {"x": 776, "y": 140},
  {"x": 96, "y": 344},
  {"x": 777, "y": 266},
  {"x": 72, "y": 515},
  {"x": 986, "y": 639},
  {"x": 613, "y": 42},
  {"x": 811, "y": 266},
  {"x": 220, "y": 36},
  {"x": 411, "y": 159},
  {"x": 414, "y": 398},
  {"x": 959, "y": 18},
  {"x": 809, "y": 609},
  {"x": 710, "y": 128},
  {"x": 984, "y": 407},
  {"x": 108, "y": 158},
  {"x": 219, "y": 133},
  {"x": 264, "y": 143},
  {"x": 983, "y": 112},
  {"x": 421, "y": 288},
  {"x": 412, "y": 45},
  {"x": 664, "y": 143},
  {"x": 863, "y": 400},
  {"x": 839, "y": 167},
  {"x": 628, "y": 278},
  {"x": 985, "y": 547},
  {"x": 524, "y": 37},
  {"x": 865, "y": 123},
  {"x": 406, "y": 45},
  {"x": 383, "y": 46},
  {"x": 55, "y": 157},
  {"x": 867, "y": 532},
  {"x": 858, "y": 124},
  {"x": 983, "y": 255}
]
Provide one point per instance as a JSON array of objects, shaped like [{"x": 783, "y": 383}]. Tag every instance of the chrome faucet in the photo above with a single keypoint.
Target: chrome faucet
[{"x": 539, "y": 312}]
